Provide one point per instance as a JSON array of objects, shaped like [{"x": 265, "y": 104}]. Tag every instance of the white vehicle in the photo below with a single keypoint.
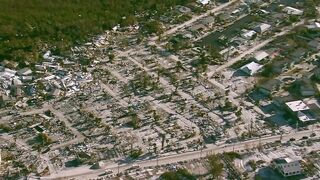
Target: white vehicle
[{"x": 134, "y": 166}]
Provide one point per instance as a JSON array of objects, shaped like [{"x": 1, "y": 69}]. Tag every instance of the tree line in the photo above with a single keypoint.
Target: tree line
[{"x": 29, "y": 27}]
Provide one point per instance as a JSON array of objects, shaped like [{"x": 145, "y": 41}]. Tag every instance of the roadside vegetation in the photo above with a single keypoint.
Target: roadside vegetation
[
  {"x": 180, "y": 174},
  {"x": 215, "y": 166}
]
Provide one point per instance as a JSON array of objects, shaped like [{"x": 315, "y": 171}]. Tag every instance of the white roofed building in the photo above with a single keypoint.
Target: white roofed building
[
  {"x": 251, "y": 68},
  {"x": 301, "y": 110},
  {"x": 260, "y": 55},
  {"x": 313, "y": 25},
  {"x": 296, "y": 106},
  {"x": 204, "y": 2},
  {"x": 248, "y": 34},
  {"x": 263, "y": 27},
  {"x": 292, "y": 11}
]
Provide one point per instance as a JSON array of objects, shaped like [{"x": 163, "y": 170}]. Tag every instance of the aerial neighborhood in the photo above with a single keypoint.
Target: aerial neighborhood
[{"x": 210, "y": 89}]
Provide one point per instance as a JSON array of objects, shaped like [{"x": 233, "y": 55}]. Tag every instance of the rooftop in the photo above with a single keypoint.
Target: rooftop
[
  {"x": 292, "y": 11},
  {"x": 271, "y": 84},
  {"x": 285, "y": 160},
  {"x": 297, "y": 106},
  {"x": 204, "y": 2},
  {"x": 248, "y": 34},
  {"x": 260, "y": 55},
  {"x": 208, "y": 20},
  {"x": 262, "y": 27},
  {"x": 306, "y": 115},
  {"x": 251, "y": 68}
]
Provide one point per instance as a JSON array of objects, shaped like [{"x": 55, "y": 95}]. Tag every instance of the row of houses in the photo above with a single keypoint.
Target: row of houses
[
  {"x": 259, "y": 29},
  {"x": 294, "y": 58},
  {"x": 305, "y": 108},
  {"x": 253, "y": 67}
]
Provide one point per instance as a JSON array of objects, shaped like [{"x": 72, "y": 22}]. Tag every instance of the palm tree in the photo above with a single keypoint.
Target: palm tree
[
  {"x": 111, "y": 57},
  {"x": 178, "y": 66},
  {"x": 156, "y": 117}
]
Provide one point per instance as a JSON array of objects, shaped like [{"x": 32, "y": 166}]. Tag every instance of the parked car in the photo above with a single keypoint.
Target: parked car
[{"x": 292, "y": 139}]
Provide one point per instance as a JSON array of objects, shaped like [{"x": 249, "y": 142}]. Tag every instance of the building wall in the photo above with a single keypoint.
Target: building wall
[{"x": 289, "y": 169}]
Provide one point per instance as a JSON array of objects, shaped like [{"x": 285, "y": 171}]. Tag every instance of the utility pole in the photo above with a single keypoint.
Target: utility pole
[
  {"x": 157, "y": 160},
  {"x": 251, "y": 127},
  {"x": 228, "y": 52},
  {"x": 118, "y": 169},
  {"x": 233, "y": 146},
  {"x": 259, "y": 143}
]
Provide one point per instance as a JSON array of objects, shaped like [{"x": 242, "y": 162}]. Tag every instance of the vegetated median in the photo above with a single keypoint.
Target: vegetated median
[{"x": 30, "y": 27}]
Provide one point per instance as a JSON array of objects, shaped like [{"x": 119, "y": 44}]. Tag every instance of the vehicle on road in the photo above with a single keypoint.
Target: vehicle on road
[{"x": 109, "y": 172}]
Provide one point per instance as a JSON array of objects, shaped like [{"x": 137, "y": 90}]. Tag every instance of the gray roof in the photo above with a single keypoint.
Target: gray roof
[
  {"x": 197, "y": 27},
  {"x": 271, "y": 84},
  {"x": 24, "y": 71},
  {"x": 208, "y": 20},
  {"x": 314, "y": 43}
]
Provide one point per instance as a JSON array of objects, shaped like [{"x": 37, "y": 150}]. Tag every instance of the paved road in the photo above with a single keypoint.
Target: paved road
[
  {"x": 211, "y": 149},
  {"x": 221, "y": 27},
  {"x": 44, "y": 108},
  {"x": 253, "y": 49},
  {"x": 79, "y": 137},
  {"x": 113, "y": 94},
  {"x": 194, "y": 19},
  {"x": 185, "y": 156},
  {"x": 172, "y": 88},
  {"x": 232, "y": 96}
]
